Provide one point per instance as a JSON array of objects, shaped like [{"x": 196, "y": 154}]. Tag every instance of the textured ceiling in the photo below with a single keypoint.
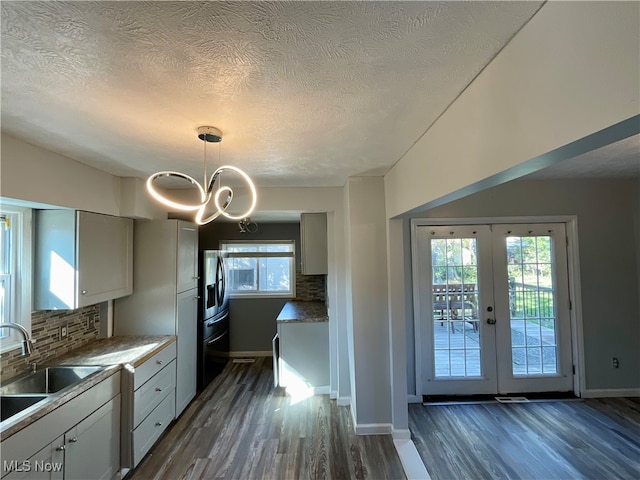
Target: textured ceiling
[{"x": 306, "y": 93}]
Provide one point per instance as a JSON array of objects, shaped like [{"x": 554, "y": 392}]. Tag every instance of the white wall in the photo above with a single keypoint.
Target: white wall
[
  {"x": 367, "y": 246},
  {"x": 571, "y": 71},
  {"x": 33, "y": 174}
]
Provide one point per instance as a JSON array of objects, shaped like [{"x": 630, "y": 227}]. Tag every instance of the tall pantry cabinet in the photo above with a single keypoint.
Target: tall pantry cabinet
[{"x": 165, "y": 295}]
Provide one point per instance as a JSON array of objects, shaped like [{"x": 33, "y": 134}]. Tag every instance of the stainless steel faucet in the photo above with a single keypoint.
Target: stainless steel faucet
[{"x": 27, "y": 342}]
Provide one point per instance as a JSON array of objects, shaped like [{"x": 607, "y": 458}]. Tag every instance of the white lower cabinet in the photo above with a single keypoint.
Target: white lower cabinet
[
  {"x": 148, "y": 404},
  {"x": 92, "y": 448},
  {"x": 148, "y": 432},
  {"x": 47, "y": 464},
  {"x": 79, "y": 440}
]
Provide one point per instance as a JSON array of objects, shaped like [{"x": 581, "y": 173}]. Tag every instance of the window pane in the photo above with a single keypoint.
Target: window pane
[
  {"x": 258, "y": 274},
  {"x": 242, "y": 273},
  {"x": 5, "y": 246}
]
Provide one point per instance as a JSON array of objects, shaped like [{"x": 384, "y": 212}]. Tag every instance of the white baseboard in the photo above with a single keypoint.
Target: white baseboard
[
  {"x": 256, "y": 353},
  {"x": 412, "y": 464},
  {"x": 323, "y": 390},
  {"x": 414, "y": 399},
  {"x": 611, "y": 392},
  {"x": 343, "y": 401},
  {"x": 401, "y": 434},
  {"x": 373, "y": 429},
  {"x": 333, "y": 394}
]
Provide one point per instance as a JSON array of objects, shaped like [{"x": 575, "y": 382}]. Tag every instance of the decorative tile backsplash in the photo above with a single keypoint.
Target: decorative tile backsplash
[
  {"x": 311, "y": 287},
  {"x": 83, "y": 325}
]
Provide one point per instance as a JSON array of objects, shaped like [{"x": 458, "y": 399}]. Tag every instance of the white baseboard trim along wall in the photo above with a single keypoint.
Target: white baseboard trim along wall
[
  {"x": 373, "y": 429},
  {"x": 611, "y": 392},
  {"x": 343, "y": 401},
  {"x": 404, "y": 434},
  {"x": 323, "y": 390},
  {"x": 259, "y": 353},
  {"x": 414, "y": 399},
  {"x": 412, "y": 464}
]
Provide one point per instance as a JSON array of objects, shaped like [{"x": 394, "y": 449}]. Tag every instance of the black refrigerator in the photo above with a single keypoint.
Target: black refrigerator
[{"x": 213, "y": 331}]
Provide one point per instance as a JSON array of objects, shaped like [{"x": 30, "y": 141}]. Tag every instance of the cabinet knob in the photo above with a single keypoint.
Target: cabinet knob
[
  {"x": 197, "y": 297},
  {"x": 84, "y": 292},
  {"x": 61, "y": 448},
  {"x": 158, "y": 389},
  {"x": 196, "y": 278},
  {"x": 158, "y": 424},
  {"x": 159, "y": 362},
  {"x": 73, "y": 440}
]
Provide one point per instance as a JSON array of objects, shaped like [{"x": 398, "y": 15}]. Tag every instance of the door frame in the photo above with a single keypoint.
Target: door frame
[{"x": 573, "y": 268}]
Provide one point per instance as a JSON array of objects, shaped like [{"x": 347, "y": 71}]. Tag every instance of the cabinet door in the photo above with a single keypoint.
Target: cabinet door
[
  {"x": 187, "y": 349},
  {"x": 187, "y": 268},
  {"x": 313, "y": 239},
  {"x": 92, "y": 448},
  {"x": 47, "y": 464},
  {"x": 105, "y": 257}
]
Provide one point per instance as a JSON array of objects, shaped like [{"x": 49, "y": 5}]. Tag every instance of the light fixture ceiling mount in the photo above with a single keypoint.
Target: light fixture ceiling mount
[{"x": 223, "y": 194}]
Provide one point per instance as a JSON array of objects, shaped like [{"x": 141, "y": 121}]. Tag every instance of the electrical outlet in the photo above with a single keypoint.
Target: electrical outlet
[
  {"x": 63, "y": 331},
  {"x": 615, "y": 363}
]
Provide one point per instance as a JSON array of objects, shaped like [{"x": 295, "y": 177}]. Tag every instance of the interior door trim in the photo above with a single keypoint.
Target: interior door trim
[{"x": 573, "y": 259}]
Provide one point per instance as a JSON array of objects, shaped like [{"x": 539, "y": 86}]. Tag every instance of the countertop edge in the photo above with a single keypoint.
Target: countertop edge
[
  {"x": 58, "y": 399},
  {"x": 303, "y": 312}
]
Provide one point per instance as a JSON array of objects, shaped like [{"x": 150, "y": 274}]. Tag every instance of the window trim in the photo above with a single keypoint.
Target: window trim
[
  {"x": 21, "y": 285},
  {"x": 257, "y": 293}
]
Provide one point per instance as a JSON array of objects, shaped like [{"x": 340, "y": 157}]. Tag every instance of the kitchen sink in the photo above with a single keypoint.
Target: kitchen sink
[
  {"x": 48, "y": 380},
  {"x": 14, "y": 404}
]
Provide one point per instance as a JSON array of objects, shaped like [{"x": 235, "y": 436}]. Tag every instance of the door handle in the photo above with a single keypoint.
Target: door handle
[{"x": 491, "y": 321}]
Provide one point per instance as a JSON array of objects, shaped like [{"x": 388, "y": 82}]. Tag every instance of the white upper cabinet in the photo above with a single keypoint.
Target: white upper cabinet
[
  {"x": 81, "y": 258},
  {"x": 313, "y": 239},
  {"x": 187, "y": 268}
]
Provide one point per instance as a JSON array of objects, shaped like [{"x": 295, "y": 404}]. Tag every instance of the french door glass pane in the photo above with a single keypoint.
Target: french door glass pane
[
  {"x": 531, "y": 305},
  {"x": 455, "y": 314}
]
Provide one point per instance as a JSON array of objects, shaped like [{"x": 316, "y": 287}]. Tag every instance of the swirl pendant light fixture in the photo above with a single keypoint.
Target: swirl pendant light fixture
[{"x": 223, "y": 194}]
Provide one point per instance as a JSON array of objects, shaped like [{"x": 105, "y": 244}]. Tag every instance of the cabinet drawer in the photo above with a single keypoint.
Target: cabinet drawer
[
  {"x": 152, "y": 366},
  {"x": 149, "y": 395},
  {"x": 152, "y": 427}
]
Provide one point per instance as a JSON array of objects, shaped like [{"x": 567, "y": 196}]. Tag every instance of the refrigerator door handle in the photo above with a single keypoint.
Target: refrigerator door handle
[
  {"x": 211, "y": 322},
  {"x": 217, "y": 338}
]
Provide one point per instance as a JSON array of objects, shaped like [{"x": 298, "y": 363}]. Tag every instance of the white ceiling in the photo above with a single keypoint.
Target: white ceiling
[{"x": 306, "y": 93}]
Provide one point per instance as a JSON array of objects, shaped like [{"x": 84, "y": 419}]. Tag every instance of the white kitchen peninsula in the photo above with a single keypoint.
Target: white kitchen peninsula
[{"x": 303, "y": 360}]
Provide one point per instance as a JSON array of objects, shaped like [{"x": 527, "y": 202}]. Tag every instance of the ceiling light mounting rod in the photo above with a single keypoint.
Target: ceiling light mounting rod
[{"x": 223, "y": 195}]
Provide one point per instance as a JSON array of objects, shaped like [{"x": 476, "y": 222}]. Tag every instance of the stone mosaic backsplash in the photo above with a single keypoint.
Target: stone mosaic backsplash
[
  {"x": 83, "y": 325},
  {"x": 311, "y": 287}
]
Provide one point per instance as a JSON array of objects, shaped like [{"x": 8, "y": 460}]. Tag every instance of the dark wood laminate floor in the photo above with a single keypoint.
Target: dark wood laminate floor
[
  {"x": 590, "y": 439},
  {"x": 241, "y": 427}
]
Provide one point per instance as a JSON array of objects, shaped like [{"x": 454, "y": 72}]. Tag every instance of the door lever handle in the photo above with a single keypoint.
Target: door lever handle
[{"x": 491, "y": 321}]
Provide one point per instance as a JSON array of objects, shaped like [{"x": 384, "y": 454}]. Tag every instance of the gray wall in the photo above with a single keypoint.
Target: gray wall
[
  {"x": 608, "y": 236},
  {"x": 252, "y": 320}
]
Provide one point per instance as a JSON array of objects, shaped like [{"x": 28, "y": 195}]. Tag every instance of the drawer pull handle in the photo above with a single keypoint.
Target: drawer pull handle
[
  {"x": 61, "y": 448},
  {"x": 158, "y": 424},
  {"x": 196, "y": 278},
  {"x": 158, "y": 389},
  {"x": 159, "y": 362},
  {"x": 73, "y": 440},
  {"x": 84, "y": 292}
]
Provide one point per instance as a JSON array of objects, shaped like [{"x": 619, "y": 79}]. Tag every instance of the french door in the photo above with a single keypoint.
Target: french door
[{"x": 492, "y": 309}]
